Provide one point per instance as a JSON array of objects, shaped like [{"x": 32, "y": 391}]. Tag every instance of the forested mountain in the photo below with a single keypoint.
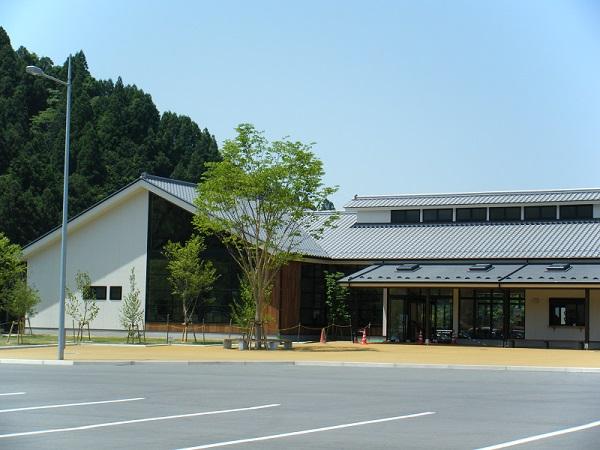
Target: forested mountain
[{"x": 116, "y": 134}]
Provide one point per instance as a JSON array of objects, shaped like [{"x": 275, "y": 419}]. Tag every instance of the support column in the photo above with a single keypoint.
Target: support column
[
  {"x": 384, "y": 317},
  {"x": 427, "y": 315},
  {"x": 455, "y": 311},
  {"x": 586, "y": 342},
  {"x": 506, "y": 318}
]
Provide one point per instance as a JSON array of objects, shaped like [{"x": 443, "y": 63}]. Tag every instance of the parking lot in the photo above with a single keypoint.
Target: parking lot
[{"x": 267, "y": 406}]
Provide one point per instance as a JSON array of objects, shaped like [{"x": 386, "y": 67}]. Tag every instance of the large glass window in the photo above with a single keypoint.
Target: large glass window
[
  {"x": 365, "y": 304},
  {"x": 492, "y": 314},
  {"x": 168, "y": 222},
  {"x": 406, "y": 216},
  {"x": 572, "y": 212},
  {"x": 540, "y": 213},
  {"x": 437, "y": 215},
  {"x": 568, "y": 312},
  {"x": 516, "y": 324},
  {"x": 471, "y": 214},
  {"x": 502, "y": 214},
  {"x": 312, "y": 295}
]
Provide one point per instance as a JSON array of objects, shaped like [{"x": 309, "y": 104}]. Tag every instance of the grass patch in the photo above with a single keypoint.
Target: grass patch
[{"x": 45, "y": 339}]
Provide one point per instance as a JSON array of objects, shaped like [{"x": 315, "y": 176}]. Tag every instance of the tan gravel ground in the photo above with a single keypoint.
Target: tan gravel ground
[{"x": 330, "y": 352}]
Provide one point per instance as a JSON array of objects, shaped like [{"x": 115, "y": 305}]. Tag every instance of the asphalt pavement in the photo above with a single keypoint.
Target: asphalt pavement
[{"x": 260, "y": 406}]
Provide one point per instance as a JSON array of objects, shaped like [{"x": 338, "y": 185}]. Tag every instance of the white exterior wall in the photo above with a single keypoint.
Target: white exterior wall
[
  {"x": 596, "y": 211},
  {"x": 537, "y": 315},
  {"x": 373, "y": 216},
  {"x": 106, "y": 247}
]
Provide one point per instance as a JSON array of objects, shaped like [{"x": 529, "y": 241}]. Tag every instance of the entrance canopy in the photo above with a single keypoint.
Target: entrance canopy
[{"x": 480, "y": 274}]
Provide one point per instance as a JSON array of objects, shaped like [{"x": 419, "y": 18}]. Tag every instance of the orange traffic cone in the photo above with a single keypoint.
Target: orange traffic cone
[
  {"x": 323, "y": 336},
  {"x": 364, "y": 337},
  {"x": 420, "y": 338}
]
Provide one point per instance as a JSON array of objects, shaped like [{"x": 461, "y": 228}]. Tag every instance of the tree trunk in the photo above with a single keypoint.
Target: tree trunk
[{"x": 258, "y": 325}]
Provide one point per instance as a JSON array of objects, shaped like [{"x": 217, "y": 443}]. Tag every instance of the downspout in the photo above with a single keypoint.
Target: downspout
[{"x": 508, "y": 275}]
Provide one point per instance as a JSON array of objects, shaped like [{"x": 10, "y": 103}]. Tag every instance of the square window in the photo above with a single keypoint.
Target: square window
[
  {"x": 444, "y": 215},
  {"x": 566, "y": 312},
  {"x": 429, "y": 215},
  {"x": 116, "y": 292},
  {"x": 99, "y": 292},
  {"x": 548, "y": 212}
]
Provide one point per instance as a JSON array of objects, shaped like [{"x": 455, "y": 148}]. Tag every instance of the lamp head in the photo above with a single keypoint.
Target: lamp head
[{"x": 34, "y": 70}]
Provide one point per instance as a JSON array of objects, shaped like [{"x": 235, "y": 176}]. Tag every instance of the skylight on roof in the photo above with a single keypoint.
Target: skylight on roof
[
  {"x": 558, "y": 267},
  {"x": 481, "y": 267},
  {"x": 407, "y": 267}
]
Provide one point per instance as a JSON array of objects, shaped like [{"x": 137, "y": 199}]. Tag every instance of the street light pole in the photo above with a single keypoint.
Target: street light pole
[{"x": 33, "y": 70}]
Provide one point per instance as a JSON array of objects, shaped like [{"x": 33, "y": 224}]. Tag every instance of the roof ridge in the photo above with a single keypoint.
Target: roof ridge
[
  {"x": 146, "y": 176},
  {"x": 475, "y": 193},
  {"x": 471, "y": 224}
]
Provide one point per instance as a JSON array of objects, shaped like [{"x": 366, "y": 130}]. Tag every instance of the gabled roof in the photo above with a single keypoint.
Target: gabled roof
[
  {"x": 182, "y": 190},
  {"x": 475, "y": 198},
  {"x": 489, "y": 240},
  {"x": 348, "y": 240},
  {"x": 180, "y": 193}
]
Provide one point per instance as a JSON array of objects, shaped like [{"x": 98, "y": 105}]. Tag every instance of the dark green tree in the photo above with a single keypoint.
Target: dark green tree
[
  {"x": 116, "y": 134},
  {"x": 335, "y": 299}
]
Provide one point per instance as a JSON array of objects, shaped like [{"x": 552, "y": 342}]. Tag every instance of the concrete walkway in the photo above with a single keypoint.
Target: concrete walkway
[{"x": 332, "y": 353}]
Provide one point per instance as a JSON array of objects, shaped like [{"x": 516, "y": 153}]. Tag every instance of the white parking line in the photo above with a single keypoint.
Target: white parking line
[
  {"x": 65, "y": 405},
  {"x": 13, "y": 393},
  {"x": 125, "y": 422},
  {"x": 542, "y": 436},
  {"x": 314, "y": 430}
]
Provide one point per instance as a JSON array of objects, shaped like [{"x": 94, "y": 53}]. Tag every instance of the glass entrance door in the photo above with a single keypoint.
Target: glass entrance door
[
  {"x": 416, "y": 318},
  {"x": 406, "y": 312},
  {"x": 398, "y": 319},
  {"x": 406, "y": 317}
]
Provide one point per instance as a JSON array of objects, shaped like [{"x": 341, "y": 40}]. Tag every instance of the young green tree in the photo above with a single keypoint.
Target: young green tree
[
  {"x": 11, "y": 267},
  {"x": 81, "y": 305},
  {"x": 243, "y": 310},
  {"x": 191, "y": 277},
  {"x": 258, "y": 201},
  {"x": 21, "y": 304},
  {"x": 132, "y": 314},
  {"x": 335, "y": 299}
]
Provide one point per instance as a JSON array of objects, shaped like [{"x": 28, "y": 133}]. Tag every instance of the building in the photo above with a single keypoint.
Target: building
[{"x": 494, "y": 268}]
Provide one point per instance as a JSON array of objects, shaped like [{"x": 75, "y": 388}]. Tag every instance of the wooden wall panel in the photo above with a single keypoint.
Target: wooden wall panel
[{"x": 289, "y": 312}]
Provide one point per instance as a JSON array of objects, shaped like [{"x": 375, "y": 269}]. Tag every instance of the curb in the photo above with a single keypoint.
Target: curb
[{"x": 51, "y": 362}]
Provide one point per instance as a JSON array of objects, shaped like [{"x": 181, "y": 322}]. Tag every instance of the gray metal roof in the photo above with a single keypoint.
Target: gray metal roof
[
  {"x": 475, "y": 198},
  {"x": 432, "y": 273},
  {"x": 498, "y": 274},
  {"x": 181, "y": 189},
  {"x": 491, "y": 240},
  {"x": 187, "y": 192},
  {"x": 350, "y": 241},
  {"x": 539, "y": 273}
]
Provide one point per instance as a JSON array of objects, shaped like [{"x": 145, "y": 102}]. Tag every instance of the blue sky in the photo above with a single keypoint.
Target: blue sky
[{"x": 399, "y": 96}]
